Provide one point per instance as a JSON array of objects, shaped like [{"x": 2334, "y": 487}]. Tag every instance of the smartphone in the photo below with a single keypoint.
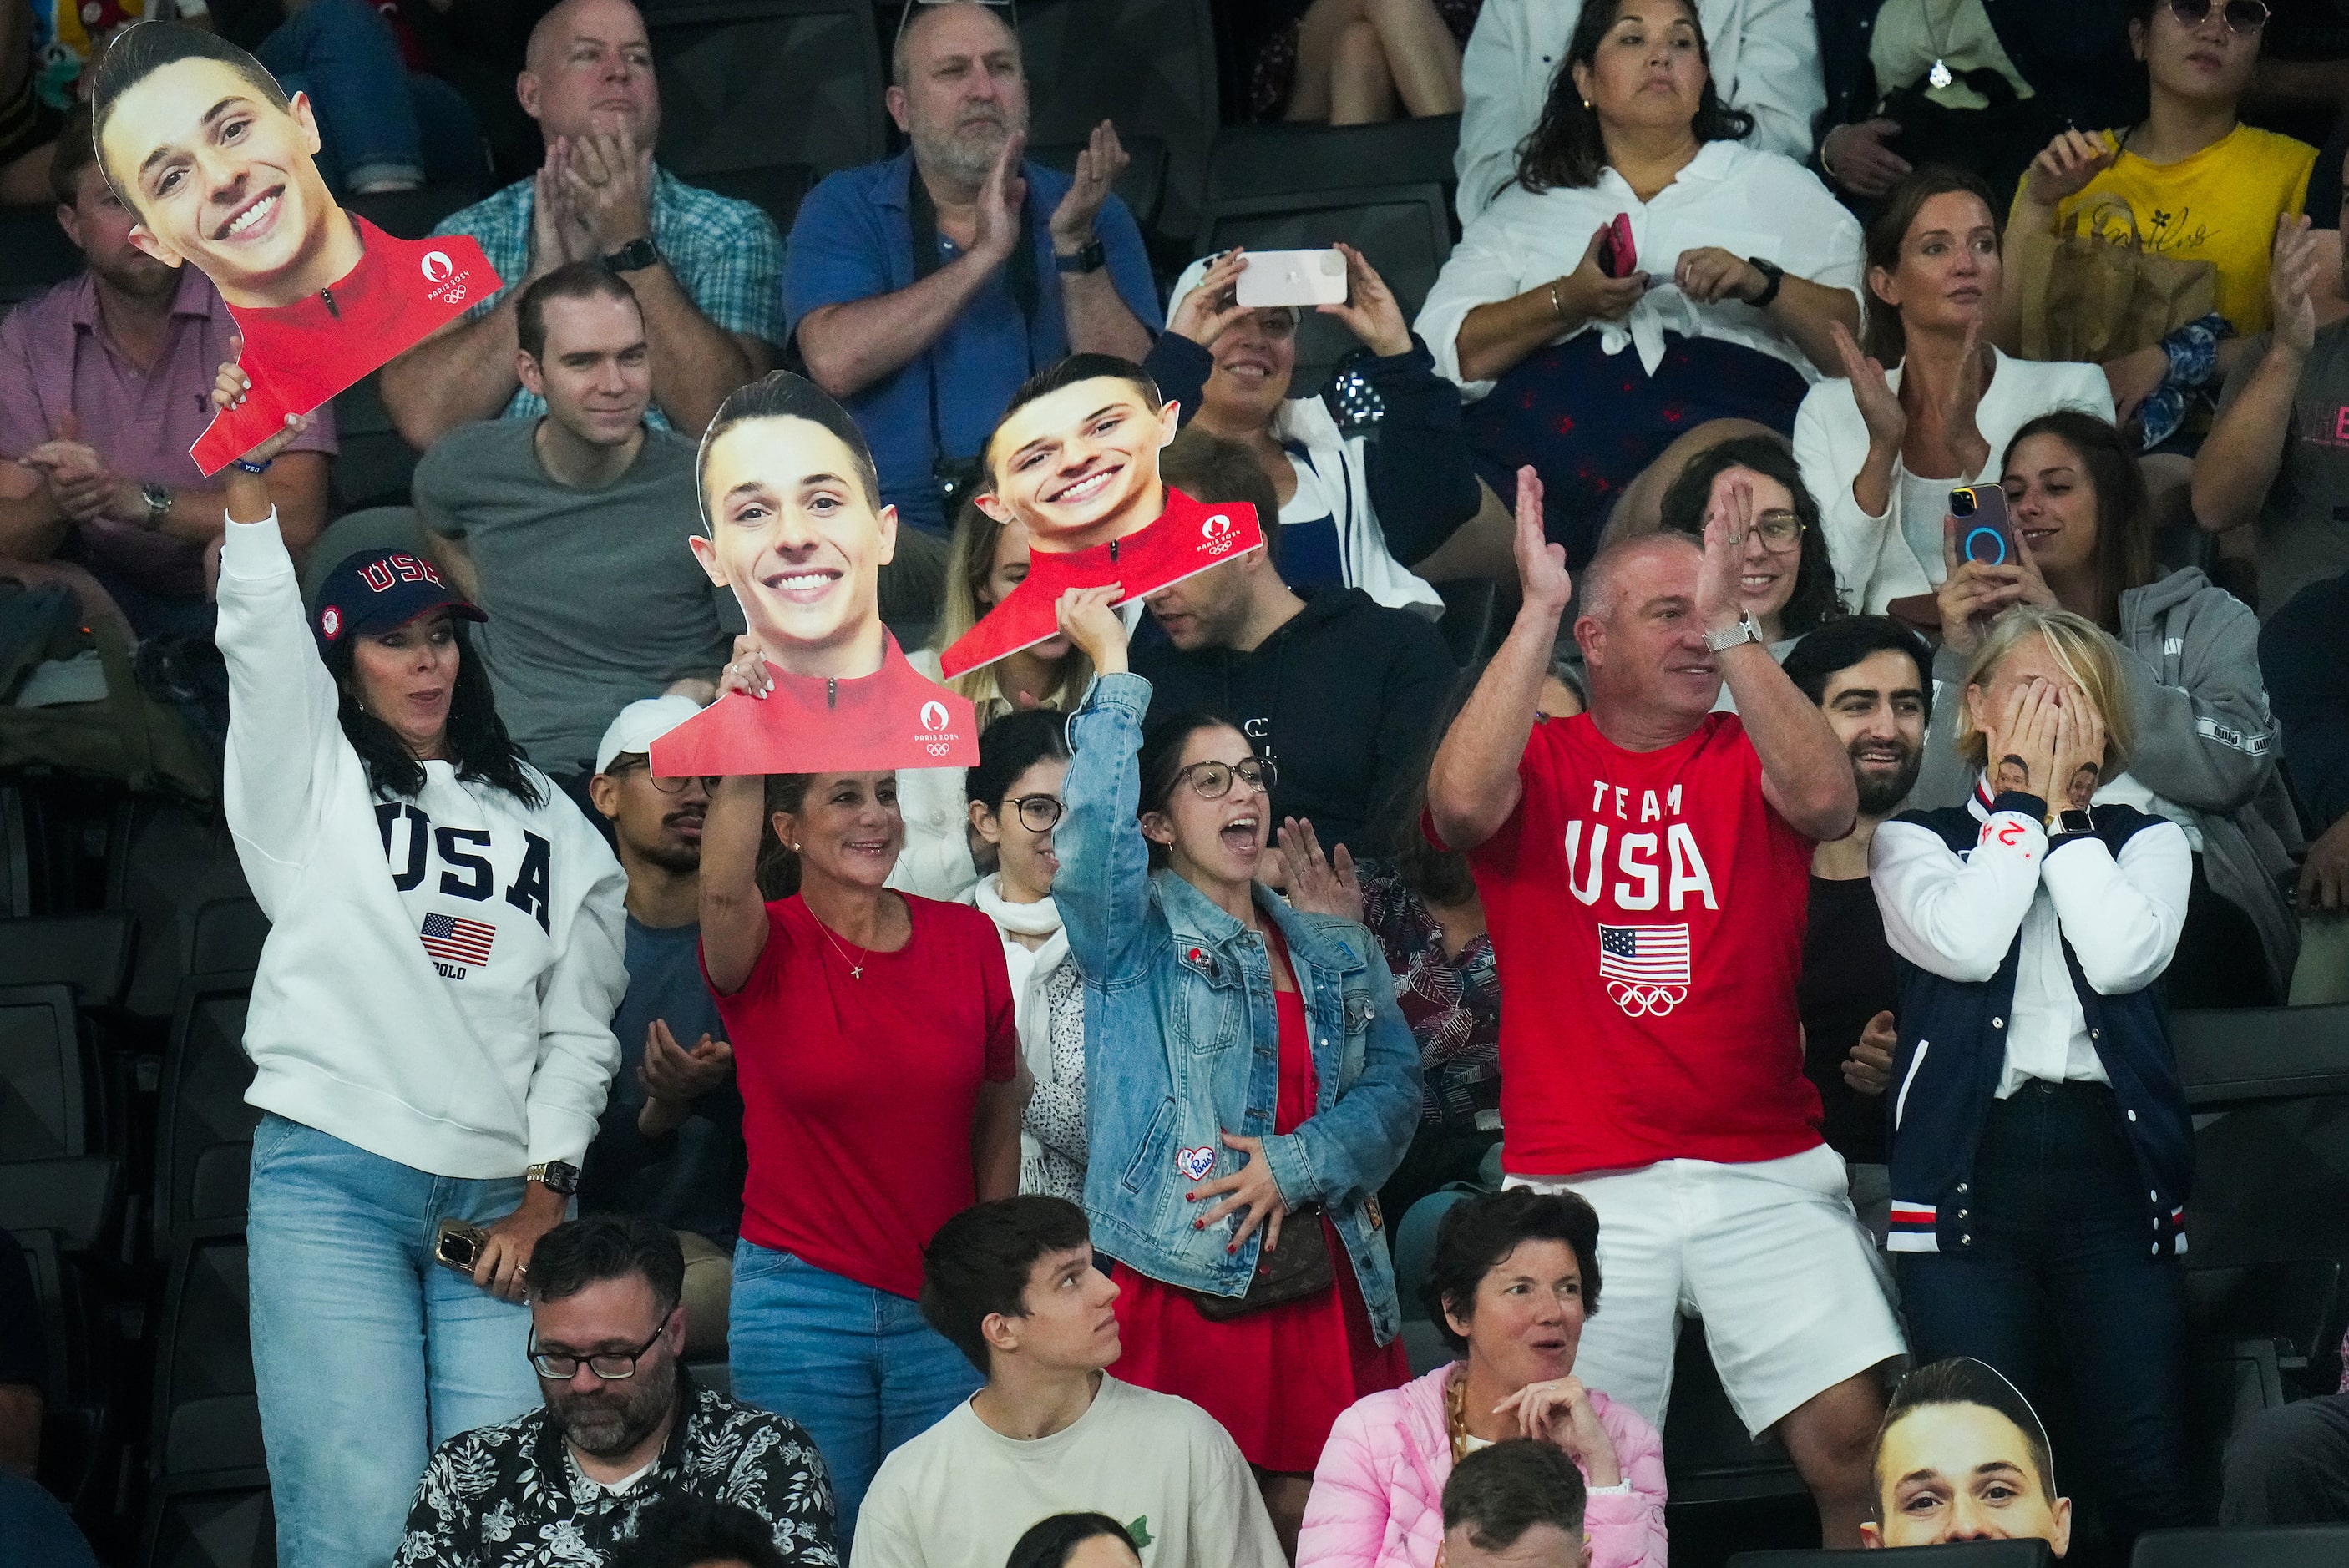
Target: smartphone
[
  {"x": 458, "y": 1245},
  {"x": 1983, "y": 532},
  {"x": 1292, "y": 278},
  {"x": 1617, "y": 258}
]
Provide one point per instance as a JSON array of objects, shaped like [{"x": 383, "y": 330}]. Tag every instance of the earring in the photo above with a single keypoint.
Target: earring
[{"x": 1586, "y": 103}]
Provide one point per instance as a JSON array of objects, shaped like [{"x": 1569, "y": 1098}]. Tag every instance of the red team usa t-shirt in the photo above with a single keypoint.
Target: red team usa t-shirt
[{"x": 1647, "y": 909}]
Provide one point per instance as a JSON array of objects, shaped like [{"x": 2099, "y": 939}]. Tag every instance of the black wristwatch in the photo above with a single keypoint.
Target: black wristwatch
[
  {"x": 2071, "y": 824},
  {"x": 1092, "y": 259},
  {"x": 1773, "y": 274},
  {"x": 556, "y": 1176},
  {"x": 632, "y": 257}
]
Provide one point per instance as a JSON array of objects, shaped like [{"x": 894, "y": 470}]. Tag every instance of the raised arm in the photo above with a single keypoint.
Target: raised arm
[
  {"x": 1473, "y": 787},
  {"x": 1805, "y": 775},
  {"x": 1095, "y": 315},
  {"x": 2239, "y": 458},
  {"x": 1103, "y": 888},
  {"x": 734, "y": 922}
]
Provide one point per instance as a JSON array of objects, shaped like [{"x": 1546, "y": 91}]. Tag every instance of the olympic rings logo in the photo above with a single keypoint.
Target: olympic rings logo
[
  {"x": 1645, "y": 1001},
  {"x": 939, "y": 748}
]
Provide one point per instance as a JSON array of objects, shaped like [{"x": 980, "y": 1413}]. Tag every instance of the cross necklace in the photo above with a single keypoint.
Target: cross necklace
[{"x": 855, "y": 970}]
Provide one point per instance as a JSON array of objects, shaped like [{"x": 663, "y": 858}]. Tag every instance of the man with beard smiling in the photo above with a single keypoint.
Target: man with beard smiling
[
  {"x": 925, "y": 289},
  {"x": 1867, "y": 675},
  {"x": 624, "y": 1429},
  {"x": 669, "y": 1142}
]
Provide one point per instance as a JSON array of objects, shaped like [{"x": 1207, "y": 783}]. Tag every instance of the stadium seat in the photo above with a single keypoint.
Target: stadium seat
[
  {"x": 1405, "y": 231},
  {"x": 2244, "y": 1056},
  {"x": 375, "y": 528},
  {"x": 177, "y": 863},
  {"x": 413, "y": 214},
  {"x": 1288, "y": 159},
  {"x": 1957, "y": 1554},
  {"x": 1147, "y": 65},
  {"x": 776, "y": 188},
  {"x": 374, "y": 463},
  {"x": 91, "y": 951},
  {"x": 57, "y": 1211},
  {"x": 204, "y": 1128},
  {"x": 33, "y": 252},
  {"x": 76, "y": 1197},
  {"x": 228, "y": 937},
  {"x": 208, "y": 1501},
  {"x": 758, "y": 84},
  {"x": 15, "y": 854},
  {"x": 43, "y": 1077},
  {"x": 2292, "y": 1546}
]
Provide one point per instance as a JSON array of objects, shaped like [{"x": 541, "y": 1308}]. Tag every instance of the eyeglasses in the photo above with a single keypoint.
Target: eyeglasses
[
  {"x": 2242, "y": 16},
  {"x": 1213, "y": 780},
  {"x": 612, "y": 1367},
  {"x": 709, "y": 781},
  {"x": 1038, "y": 812},
  {"x": 1781, "y": 530}
]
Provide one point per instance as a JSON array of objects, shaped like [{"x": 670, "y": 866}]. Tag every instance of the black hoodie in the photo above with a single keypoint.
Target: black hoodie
[{"x": 1342, "y": 697}]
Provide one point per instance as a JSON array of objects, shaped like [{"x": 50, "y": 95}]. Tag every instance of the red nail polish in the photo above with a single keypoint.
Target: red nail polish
[
  {"x": 1198, "y": 1224},
  {"x": 1233, "y": 1248}
]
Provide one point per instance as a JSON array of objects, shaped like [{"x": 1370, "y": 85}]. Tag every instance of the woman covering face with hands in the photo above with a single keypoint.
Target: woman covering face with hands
[
  {"x": 2040, "y": 1148},
  {"x": 1249, "y": 1080}
]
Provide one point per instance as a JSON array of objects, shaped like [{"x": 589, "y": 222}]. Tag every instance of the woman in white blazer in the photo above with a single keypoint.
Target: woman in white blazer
[{"x": 1881, "y": 448}]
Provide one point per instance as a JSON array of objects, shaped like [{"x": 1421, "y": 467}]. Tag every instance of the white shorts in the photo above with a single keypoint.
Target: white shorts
[{"x": 1769, "y": 1255}]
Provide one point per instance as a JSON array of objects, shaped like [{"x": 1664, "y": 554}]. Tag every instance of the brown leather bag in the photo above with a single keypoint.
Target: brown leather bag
[
  {"x": 2093, "y": 291},
  {"x": 1300, "y": 1267}
]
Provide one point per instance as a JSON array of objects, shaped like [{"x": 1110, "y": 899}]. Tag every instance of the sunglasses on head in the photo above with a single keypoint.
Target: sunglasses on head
[{"x": 2242, "y": 15}]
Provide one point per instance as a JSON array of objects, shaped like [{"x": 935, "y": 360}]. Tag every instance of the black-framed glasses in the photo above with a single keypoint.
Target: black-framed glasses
[
  {"x": 611, "y": 1365},
  {"x": 1781, "y": 530},
  {"x": 1037, "y": 813},
  {"x": 709, "y": 781},
  {"x": 2242, "y": 16},
  {"x": 1213, "y": 780}
]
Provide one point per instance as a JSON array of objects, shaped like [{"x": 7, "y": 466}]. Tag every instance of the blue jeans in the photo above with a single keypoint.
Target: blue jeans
[
  {"x": 856, "y": 1367},
  {"x": 375, "y": 122},
  {"x": 2062, "y": 1262},
  {"x": 366, "y": 1353}
]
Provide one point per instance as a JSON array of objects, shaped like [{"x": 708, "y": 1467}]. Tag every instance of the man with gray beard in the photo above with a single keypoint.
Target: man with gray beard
[
  {"x": 1868, "y": 675},
  {"x": 924, "y": 289},
  {"x": 623, "y": 1428}
]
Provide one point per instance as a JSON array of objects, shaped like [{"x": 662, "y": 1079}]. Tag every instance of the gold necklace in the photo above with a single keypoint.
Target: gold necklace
[{"x": 855, "y": 970}]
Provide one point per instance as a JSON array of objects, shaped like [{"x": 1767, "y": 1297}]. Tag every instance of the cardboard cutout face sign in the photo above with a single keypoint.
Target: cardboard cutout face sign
[
  {"x": 1964, "y": 1457},
  {"x": 1079, "y": 467},
  {"x": 219, "y": 167},
  {"x": 796, "y": 532}
]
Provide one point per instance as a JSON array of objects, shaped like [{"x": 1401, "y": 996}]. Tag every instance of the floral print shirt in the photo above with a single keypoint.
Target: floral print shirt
[
  {"x": 509, "y": 1495},
  {"x": 1452, "y": 1004}
]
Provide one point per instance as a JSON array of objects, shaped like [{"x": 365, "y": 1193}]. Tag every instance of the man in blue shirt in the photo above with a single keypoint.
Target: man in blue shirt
[{"x": 925, "y": 288}]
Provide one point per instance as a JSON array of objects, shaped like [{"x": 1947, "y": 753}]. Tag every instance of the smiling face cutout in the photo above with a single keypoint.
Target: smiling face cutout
[{"x": 1078, "y": 466}]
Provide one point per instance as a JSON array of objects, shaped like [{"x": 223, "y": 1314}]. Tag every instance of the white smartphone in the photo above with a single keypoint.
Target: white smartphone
[{"x": 1292, "y": 278}]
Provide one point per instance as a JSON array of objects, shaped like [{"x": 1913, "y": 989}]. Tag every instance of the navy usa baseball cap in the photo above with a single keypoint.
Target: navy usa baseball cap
[{"x": 379, "y": 591}]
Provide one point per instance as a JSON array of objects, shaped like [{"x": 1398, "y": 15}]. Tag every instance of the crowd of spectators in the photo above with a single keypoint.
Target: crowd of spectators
[{"x": 1030, "y": 1140}]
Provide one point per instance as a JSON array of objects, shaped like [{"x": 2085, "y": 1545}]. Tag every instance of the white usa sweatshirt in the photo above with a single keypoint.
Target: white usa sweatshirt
[{"x": 440, "y": 975}]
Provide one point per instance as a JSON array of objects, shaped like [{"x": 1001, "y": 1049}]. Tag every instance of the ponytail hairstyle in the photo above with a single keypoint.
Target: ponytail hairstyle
[{"x": 479, "y": 747}]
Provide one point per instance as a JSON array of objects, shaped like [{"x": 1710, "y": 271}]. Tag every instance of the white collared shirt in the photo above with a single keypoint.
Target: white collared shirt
[{"x": 1747, "y": 202}]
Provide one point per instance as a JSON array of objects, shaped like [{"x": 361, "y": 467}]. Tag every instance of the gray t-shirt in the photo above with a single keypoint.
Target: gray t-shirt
[
  {"x": 2301, "y": 534},
  {"x": 594, "y": 595}
]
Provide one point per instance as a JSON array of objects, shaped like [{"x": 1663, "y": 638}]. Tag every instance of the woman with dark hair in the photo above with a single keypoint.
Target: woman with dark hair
[
  {"x": 1075, "y": 1541},
  {"x": 1249, "y": 1080},
  {"x": 1514, "y": 1275},
  {"x": 873, "y": 1036},
  {"x": 1931, "y": 402},
  {"x": 1015, "y": 804},
  {"x": 1741, "y": 262},
  {"x": 2205, "y": 751},
  {"x": 430, "y": 1024},
  {"x": 1784, "y": 580}
]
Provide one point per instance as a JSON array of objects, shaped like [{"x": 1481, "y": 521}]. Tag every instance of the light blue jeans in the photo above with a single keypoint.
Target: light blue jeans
[
  {"x": 366, "y": 1353},
  {"x": 376, "y": 120},
  {"x": 856, "y": 1367}
]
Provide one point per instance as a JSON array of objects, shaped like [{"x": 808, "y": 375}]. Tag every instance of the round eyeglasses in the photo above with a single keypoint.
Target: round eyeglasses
[
  {"x": 611, "y": 1365},
  {"x": 1213, "y": 780},
  {"x": 1037, "y": 813},
  {"x": 2242, "y": 17}
]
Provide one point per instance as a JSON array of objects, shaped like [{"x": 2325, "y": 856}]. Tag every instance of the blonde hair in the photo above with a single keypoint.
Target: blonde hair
[
  {"x": 2081, "y": 649},
  {"x": 970, "y": 560}
]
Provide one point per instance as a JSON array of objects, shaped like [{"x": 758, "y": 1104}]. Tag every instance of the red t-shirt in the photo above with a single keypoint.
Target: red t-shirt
[
  {"x": 299, "y": 356},
  {"x": 893, "y": 718},
  {"x": 858, "y": 1094},
  {"x": 1647, "y": 911},
  {"x": 1182, "y": 541}
]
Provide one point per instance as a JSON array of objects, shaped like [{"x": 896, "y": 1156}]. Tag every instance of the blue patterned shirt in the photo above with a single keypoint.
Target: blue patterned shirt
[{"x": 727, "y": 253}]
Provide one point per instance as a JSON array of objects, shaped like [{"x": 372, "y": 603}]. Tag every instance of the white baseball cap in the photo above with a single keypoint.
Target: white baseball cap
[{"x": 640, "y": 724}]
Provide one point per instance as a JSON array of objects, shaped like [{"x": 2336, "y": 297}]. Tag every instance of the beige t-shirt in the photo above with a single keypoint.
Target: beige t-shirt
[{"x": 962, "y": 1494}]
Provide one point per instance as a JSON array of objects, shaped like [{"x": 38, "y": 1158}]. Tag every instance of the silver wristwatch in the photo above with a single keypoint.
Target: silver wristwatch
[{"x": 1747, "y": 630}]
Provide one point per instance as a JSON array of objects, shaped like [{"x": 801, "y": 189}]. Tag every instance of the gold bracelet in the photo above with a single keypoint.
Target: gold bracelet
[{"x": 1554, "y": 308}]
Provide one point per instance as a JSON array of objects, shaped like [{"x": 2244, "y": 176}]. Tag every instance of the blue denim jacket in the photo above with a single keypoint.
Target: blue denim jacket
[{"x": 1181, "y": 1039}]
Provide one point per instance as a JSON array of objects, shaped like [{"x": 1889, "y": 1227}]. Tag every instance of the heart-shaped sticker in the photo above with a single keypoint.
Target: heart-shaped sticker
[{"x": 1194, "y": 1163}]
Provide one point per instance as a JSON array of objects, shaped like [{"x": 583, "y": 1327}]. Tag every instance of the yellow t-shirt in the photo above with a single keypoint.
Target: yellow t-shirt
[{"x": 2220, "y": 206}]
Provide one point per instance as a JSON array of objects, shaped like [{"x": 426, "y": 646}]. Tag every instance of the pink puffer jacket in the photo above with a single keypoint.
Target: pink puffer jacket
[{"x": 1378, "y": 1493}]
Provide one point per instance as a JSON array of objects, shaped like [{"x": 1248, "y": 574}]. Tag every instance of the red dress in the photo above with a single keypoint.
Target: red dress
[{"x": 1277, "y": 1379}]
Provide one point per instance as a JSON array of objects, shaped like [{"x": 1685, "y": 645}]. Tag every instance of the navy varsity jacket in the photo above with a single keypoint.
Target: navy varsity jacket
[{"x": 1952, "y": 1049}]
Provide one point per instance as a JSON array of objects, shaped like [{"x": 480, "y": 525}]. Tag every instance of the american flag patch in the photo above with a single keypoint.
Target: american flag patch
[
  {"x": 1644, "y": 955},
  {"x": 455, "y": 941}
]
